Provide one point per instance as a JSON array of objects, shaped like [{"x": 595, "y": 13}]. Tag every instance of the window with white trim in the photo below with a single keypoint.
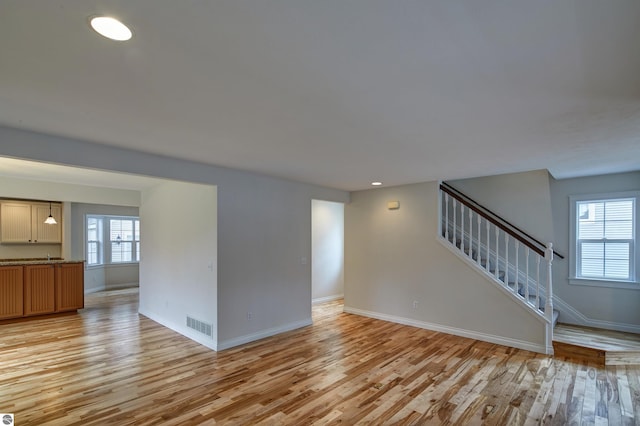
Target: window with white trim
[
  {"x": 112, "y": 240},
  {"x": 604, "y": 230}
]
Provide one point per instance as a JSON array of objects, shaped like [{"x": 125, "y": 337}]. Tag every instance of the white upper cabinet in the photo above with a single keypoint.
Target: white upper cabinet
[{"x": 23, "y": 222}]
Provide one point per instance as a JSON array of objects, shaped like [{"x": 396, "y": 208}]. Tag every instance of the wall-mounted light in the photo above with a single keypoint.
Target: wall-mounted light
[
  {"x": 393, "y": 205},
  {"x": 50, "y": 220}
]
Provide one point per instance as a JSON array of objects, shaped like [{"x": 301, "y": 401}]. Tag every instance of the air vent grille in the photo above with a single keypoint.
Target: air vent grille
[{"x": 200, "y": 326}]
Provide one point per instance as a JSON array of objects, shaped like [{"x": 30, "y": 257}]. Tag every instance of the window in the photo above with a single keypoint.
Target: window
[
  {"x": 604, "y": 232},
  {"x": 112, "y": 240}
]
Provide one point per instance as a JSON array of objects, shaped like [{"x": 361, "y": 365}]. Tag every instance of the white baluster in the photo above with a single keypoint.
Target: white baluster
[
  {"x": 506, "y": 259},
  {"x": 446, "y": 216},
  {"x": 462, "y": 227},
  {"x": 470, "y": 234},
  {"x": 515, "y": 286},
  {"x": 479, "y": 252},
  {"x": 455, "y": 204},
  {"x": 486, "y": 266},
  {"x": 497, "y": 248},
  {"x": 526, "y": 286},
  {"x": 538, "y": 281}
]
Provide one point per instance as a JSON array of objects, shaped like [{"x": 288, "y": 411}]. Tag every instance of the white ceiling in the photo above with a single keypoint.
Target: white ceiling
[{"x": 333, "y": 92}]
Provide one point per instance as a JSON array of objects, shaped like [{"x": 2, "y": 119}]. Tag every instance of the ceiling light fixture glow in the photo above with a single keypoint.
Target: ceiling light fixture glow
[
  {"x": 376, "y": 183},
  {"x": 111, "y": 28}
]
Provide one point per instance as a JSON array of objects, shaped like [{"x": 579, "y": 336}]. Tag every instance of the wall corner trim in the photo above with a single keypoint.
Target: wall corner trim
[{"x": 490, "y": 338}]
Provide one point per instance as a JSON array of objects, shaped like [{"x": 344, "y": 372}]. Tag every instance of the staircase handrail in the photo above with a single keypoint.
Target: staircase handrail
[{"x": 498, "y": 221}]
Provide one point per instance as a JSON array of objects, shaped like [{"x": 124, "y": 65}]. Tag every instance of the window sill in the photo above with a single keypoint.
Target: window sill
[{"x": 626, "y": 285}]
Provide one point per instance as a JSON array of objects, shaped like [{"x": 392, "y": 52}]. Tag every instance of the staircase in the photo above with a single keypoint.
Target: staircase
[{"x": 511, "y": 258}]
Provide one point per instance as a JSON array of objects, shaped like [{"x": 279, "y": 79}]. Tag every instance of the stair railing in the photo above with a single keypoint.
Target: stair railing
[{"x": 511, "y": 257}]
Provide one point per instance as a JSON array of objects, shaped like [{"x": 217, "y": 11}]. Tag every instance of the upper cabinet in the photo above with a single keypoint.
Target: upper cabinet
[{"x": 23, "y": 222}]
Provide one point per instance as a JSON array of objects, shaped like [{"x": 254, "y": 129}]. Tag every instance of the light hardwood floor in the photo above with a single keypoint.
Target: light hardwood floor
[{"x": 110, "y": 366}]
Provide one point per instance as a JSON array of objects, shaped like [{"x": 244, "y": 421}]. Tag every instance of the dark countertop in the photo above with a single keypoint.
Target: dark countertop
[{"x": 44, "y": 261}]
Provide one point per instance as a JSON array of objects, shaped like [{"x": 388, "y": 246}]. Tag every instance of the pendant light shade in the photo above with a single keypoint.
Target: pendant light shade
[{"x": 50, "y": 220}]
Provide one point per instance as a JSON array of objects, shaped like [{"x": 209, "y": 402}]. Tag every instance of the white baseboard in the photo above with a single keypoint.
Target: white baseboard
[
  {"x": 196, "y": 337},
  {"x": 326, "y": 299},
  {"x": 241, "y": 340},
  {"x": 570, "y": 315},
  {"x": 499, "y": 340},
  {"x": 121, "y": 286}
]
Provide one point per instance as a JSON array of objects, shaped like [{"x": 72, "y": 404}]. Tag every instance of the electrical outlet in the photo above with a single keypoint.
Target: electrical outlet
[
  {"x": 249, "y": 316},
  {"x": 415, "y": 304}
]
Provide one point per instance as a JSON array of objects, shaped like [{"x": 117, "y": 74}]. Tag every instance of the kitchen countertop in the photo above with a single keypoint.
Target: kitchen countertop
[{"x": 44, "y": 261}]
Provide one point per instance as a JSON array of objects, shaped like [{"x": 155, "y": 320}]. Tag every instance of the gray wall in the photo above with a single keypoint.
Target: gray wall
[
  {"x": 264, "y": 230},
  {"x": 539, "y": 204},
  {"x": 327, "y": 282},
  {"x": 614, "y": 308},
  {"x": 393, "y": 258}
]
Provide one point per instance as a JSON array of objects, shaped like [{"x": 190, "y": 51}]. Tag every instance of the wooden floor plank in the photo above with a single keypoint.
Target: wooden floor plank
[{"x": 110, "y": 365}]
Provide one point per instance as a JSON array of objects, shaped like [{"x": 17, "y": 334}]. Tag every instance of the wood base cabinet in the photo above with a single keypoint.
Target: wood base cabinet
[
  {"x": 69, "y": 287},
  {"x": 11, "y": 295},
  {"x": 39, "y": 290}
]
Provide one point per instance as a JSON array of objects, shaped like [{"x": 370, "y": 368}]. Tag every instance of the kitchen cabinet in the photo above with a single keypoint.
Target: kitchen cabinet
[
  {"x": 30, "y": 288},
  {"x": 39, "y": 289},
  {"x": 22, "y": 222},
  {"x": 11, "y": 286},
  {"x": 69, "y": 283}
]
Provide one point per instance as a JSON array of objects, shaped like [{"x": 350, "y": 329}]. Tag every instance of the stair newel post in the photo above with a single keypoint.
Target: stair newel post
[
  {"x": 497, "y": 247},
  {"x": 479, "y": 255},
  {"x": 526, "y": 284},
  {"x": 446, "y": 216},
  {"x": 506, "y": 259},
  {"x": 462, "y": 227},
  {"x": 515, "y": 286},
  {"x": 488, "y": 251},
  {"x": 548, "y": 306}
]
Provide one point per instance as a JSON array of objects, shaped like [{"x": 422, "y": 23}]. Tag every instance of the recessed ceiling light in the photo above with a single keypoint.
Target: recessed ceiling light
[
  {"x": 376, "y": 183},
  {"x": 111, "y": 28}
]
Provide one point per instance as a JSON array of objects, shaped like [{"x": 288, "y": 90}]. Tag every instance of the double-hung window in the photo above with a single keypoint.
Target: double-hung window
[
  {"x": 112, "y": 239},
  {"x": 604, "y": 234}
]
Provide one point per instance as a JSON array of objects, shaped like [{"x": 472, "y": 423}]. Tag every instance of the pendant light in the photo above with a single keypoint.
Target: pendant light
[{"x": 50, "y": 220}]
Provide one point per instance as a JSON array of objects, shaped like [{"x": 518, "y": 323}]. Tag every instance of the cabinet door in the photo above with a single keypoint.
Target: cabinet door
[
  {"x": 43, "y": 232},
  {"x": 39, "y": 289},
  {"x": 15, "y": 222},
  {"x": 69, "y": 286},
  {"x": 11, "y": 292}
]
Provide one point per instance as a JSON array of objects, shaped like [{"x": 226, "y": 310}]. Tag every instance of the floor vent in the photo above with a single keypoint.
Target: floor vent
[{"x": 199, "y": 326}]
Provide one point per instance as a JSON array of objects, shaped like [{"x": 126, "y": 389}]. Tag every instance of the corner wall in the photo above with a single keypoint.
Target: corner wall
[
  {"x": 393, "y": 259},
  {"x": 178, "y": 269},
  {"x": 611, "y": 308}
]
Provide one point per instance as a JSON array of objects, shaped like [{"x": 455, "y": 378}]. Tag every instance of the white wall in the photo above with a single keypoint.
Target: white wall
[
  {"x": 264, "y": 230},
  {"x": 327, "y": 268},
  {"x": 178, "y": 269},
  {"x": 612, "y": 308},
  {"x": 97, "y": 278},
  {"x": 393, "y": 258}
]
